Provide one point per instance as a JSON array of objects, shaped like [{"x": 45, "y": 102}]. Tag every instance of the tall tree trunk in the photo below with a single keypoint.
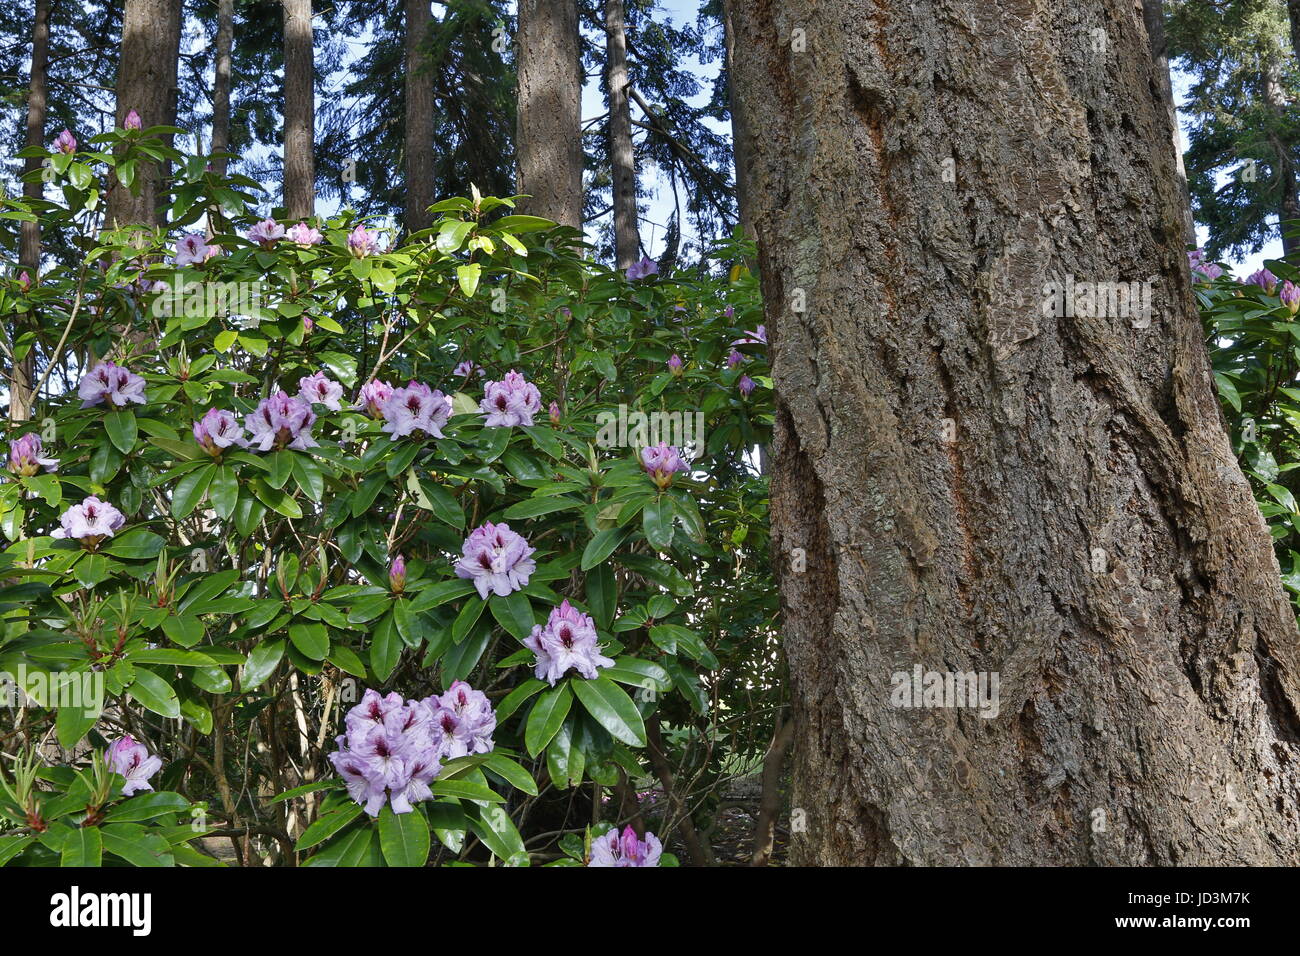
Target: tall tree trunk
[
  {"x": 549, "y": 123},
  {"x": 146, "y": 83},
  {"x": 739, "y": 128},
  {"x": 23, "y": 374},
  {"x": 221, "y": 86},
  {"x": 627, "y": 240},
  {"x": 1153, "y": 16},
  {"x": 980, "y": 487},
  {"x": 299, "y": 111},
  {"x": 1293, "y": 14},
  {"x": 1288, "y": 207},
  {"x": 419, "y": 118}
]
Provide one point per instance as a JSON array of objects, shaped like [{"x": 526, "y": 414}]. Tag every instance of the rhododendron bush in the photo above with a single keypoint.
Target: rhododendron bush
[{"x": 375, "y": 550}]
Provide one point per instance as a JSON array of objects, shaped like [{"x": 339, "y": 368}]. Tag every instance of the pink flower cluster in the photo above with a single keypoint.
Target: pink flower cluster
[
  {"x": 416, "y": 407},
  {"x": 512, "y": 401},
  {"x": 134, "y": 762},
  {"x": 25, "y": 456},
  {"x": 496, "y": 559},
  {"x": 567, "y": 642},
  {"x": 613, "y": 850},
  {"x": 109, "y": 381}
]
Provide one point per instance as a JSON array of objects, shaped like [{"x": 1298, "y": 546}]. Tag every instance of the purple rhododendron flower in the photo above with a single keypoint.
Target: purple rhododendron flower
[
  {"x": 192, "y": 250},
  {"x": 1290, "y": 296},
  {"x": 734, "y": 359},
  {"x": 512, "y": 401},
  {"x": 496, "y": 559},
  {"x": 24, "y": 280},
  {"x": 675, "y": 364},
  {"x": 613, "y": 850},
  {"x": 643, "y": 269},
  {"x": 567, "y": 642},
  {"x": 757, "y": 336},
  {"x": 372, "y": 397},
  {"x": 554, "y": 413},
  {"x": 417, "y": 406},
  {"x": 266, "y": 233},
  {"x": 304, "y": 235},
  {"x": 25, "y": 456},
  {"x": 362, "y": 241},
  {"x": 281, "y": 421},
  {"x": 463, "y": 721},
  {"x": 661, "y": 462},
  {"x": 1265, "y": 280},
  {"x": 217, "y": 430},
  {"x": 746, "y": 385},
  {"x": 467, "y": 368},
  {"x": 65, "y": 142},
  {"x": 134, "y": 762},
  {"x": 320, "y": 389},
  {"x": 132, "y": 120},
  {"x": 110, "y": 381},
  {"x": 397, "y": 575},
  {"x": 388, "y": 753},
  {"x": 89, "y": 522}
]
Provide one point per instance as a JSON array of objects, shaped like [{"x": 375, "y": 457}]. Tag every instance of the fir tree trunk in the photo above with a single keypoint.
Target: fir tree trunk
[
  {"x": 146, "y": 83},
  {"x": 419, "y": 118},
  {"x": 549, "y": 124},
  {"x": 968, "y": 481},
  {"x": 221, "y": 86},
  {"x": 299, "y": 111},
  {"x": 627, "y": 239},
  {"x": 23, "y": 374},
  {"x": 1153, "y": 15}
]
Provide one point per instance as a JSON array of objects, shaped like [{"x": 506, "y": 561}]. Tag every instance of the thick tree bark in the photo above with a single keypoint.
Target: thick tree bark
[
  {"x": 1153, "y": 15},
  {"x": 299, "y": 111},
  {"x": 419, "y": 118},
  {"x": 146, "y": 83},
  {"x": 1288, "y": 207},
  {"x": 221, "y": 86},
  {"x": 627, "y": 238},
  {"x": 978, "y": 486},
  {"x": 739, "y": 129},
  {"x": 549, "y": 121},
  {"x": 22, "y": 375}
]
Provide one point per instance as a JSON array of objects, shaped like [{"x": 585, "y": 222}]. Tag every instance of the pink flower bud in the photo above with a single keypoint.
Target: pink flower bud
[
  {"x": 65, "y": 142},
  {"x": 397, "y": 575},
  {"x": 132, "y": 121}
]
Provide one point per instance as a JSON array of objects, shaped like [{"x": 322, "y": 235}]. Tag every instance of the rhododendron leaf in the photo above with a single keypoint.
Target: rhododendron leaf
[
  {"x": 82, "y": 847},
  {"x": 467, "y": 618},
  {"x": 328, "y": 824},
  {"x": 275, "y": 499},
  {"x": 385, "y": 648},
  {"x": 516, "y": 698},
  {"x": 136, "y": 845},
  {"x": 510, "y": 771},
  {"x": 185, "y": 630},
  {"x": 546, "y": 717},
  {"x": 359, "y": 847},
  {"x": 404, "y": 837},
  {"x": 638, "y": 673},
  {"x": 262, "y": 661},
  {"x": 494, "y": 827},
  {"x": 147, "y": 806},
  {"x": 612, "y": 708},
  {"x": 492, "y": 443},
  {"x": 565, "y": 761},
  {"x": 197, "y": 714},
  {"x": 189, "y": 491},
  {"x": 72, "y": 723},
  {"x": 602, "y": 594},
  {"x": 212, "y": 679},
  {"x": 121, "y": 430},
  {"x": 312, "y": 640},
  {"x": 154, "y": 693},
  {"x": 601, "y": 546},
  {"x": 281, "y": 468},
  {"x": 657, "y": 523},
  {"x": 536, "y": 507},
  {"x": 223, "y": 491},
  {"x": 309, "y": 477},
  {"x": 447, "y": 820},
  {"x": 443, "y": 504},
  {"x": 468, "y": 277},
  {"x": 466, "y": 790},
  {"x": 346, "y": 660},
  {"x": 460, "y": 659},
  {"x": 514, "y": 612}
]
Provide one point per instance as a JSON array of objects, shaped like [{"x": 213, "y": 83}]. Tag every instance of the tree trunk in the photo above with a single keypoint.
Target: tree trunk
[
  {"x": 419, "y": 118},
  {"x": 146, "y": 83},
  {"x": 1288, "y": 207},
  {"x": 299, "y": 111},
  {"x": 627, "y": 240},
  {"x": 549, "y": 124},
  {"x": 769, "y": 801},
  {"x": 739, "y": 129},
  {"x": 1153, "y": 15},
  {"x": 979, "y": 487},
  {"x": 1293, "y": 14},
  {"x": 23, "y": 374},
  {"x": 221, "y": 86}
]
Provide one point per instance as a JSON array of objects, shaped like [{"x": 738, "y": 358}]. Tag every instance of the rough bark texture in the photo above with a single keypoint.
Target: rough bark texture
[
  {"x": 419, "y": 118},
  {"x": 221, "y": 86},
  {"x": 769, "y": 801},
  {"x": 739, "y": 130},
  {"x": 1087, "y": 533},
  {"x": 627, "y": 238},
  {"x": 549, "y": 125},
  {"x": 22, "y": 375},
  {"x": 1288, "y": 208},
  {"x": 1153, "y": 16},
  {"x": 299, "y": 111},
  {"x": 146, "y": 83}
]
